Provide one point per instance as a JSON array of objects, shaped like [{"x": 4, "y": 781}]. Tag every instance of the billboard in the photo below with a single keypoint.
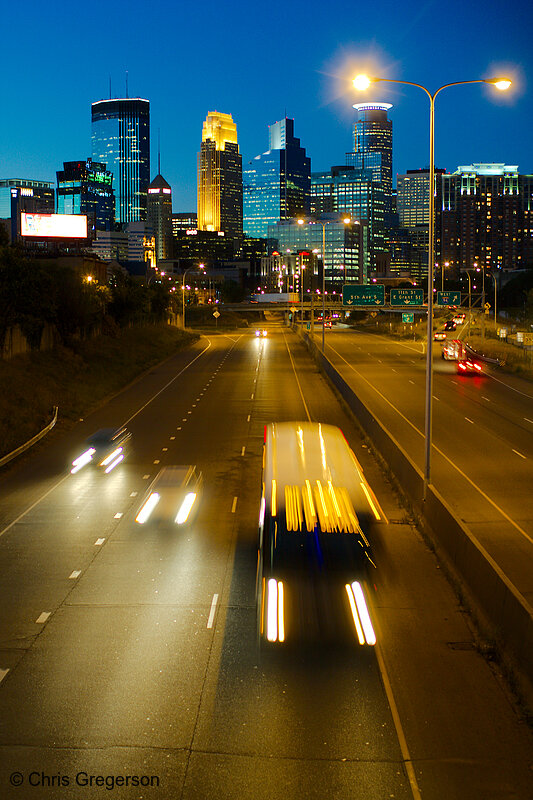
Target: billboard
[{"x": 64, "y": 226}]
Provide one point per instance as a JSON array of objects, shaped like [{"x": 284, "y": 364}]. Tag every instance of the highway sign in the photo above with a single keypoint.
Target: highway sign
[
  {"x": 448, "y": 298},
  {"x": 407, "y": 297},
  {"x": 372, "y": 295},
  {"x": 408, "y": 318}
]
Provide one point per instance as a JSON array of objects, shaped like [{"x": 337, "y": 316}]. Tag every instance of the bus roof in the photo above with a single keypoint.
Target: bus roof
[{"x": 297, "y": 452}]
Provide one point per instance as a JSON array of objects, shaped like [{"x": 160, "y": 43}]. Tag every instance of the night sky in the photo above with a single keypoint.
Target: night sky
[{"x": 259, "y": 62}]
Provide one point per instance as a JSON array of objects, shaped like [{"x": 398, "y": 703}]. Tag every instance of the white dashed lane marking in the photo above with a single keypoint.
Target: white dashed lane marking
[
  {"x": 43, "y": 617},
  {"x": 99, "y": 541},
  {"x": 234, "y": 506},
  {"x": 212, "y": 611},
  {"x": 519, "y": 454},
  {"x": 75, "y": 574}
]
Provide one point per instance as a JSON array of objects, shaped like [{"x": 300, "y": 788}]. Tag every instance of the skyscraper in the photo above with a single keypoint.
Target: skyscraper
[
  {"x": 86, "y": 187},
  {"x": 121, "y": 141},
  {"x": 220, "y": 178},
  {"x": 373, "y": 145},
  {"x": 276, "y": 184},
  {"x": 159, "y": 215}
]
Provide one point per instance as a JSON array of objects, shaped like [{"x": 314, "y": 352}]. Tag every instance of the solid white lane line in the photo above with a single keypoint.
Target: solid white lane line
[
  {"x": 74, "y": 574},
  {"x": 519, "y": 454},
  {"x": 99, "y": 541},
  {"x": 118, "y": 515},
  {"x": 212, "y": 612},
  {"x": 167, "y": 384},
  {"x": 234, "y": 506},
  {"x": 528, "y": 420},
  {"x": 43, "y": 617},
  {"x": 3, "y": 673},
  {"x": 402, "y": 741},
  {"x": 20, "y": 516},
  {"x": 471, "y": 421},
  {"x": 440, "y": 452},
  {"x": 133, "y": 494}
]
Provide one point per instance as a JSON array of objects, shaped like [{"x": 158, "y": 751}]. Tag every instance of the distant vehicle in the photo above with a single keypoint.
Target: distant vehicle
[
  {"x": 104, "y": 449},
  {"x": 261, "y": 332},
  {"x": 459, "y": 318},
  {"x": 450, "y": 325},
  {"x": 453, "y": 350},
  {"x": 173, "y": 496},
  {"x": 469, "y": 366},
  {"x": 316, "y": 510},
  {"x": 439, "y": 336}
]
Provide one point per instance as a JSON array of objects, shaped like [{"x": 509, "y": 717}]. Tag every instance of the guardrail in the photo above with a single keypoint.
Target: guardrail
[
  {"x": 26, "y": 446},
  {"x": 504, "y": 615}
]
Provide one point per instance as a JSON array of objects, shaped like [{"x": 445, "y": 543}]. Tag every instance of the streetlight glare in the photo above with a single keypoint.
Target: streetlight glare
[
  {"x": 361, "y": 82},
  {"x": 501, "y": 83}
]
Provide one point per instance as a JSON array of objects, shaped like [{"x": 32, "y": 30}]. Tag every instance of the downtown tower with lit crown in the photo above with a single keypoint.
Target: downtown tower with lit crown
[{"x": 220, "y": 178}]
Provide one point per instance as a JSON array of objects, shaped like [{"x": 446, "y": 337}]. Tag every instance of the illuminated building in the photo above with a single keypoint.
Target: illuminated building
[
  {"x": 220, "y": 178},
  {"x": 354, "y": 193},
  {"x": 86, "y": 187},
  {"x": 276, "y": 184},
  {"x": 480, "y": 218},
  {"x": 346, "y": 245},
  {"x": 184, "y": 221},
  {"x": 412, "y": 203},
  {"x": 121, "y": 141},
  {"x": 159, "y": 216},
  {"x": 20, "y": 194},
  {"x": 373, "y": 145}
]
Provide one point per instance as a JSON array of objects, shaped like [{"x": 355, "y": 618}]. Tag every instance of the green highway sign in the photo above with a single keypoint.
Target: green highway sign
[
  {"x": 407, "y": 297},
  {"x": 448, "y": 298},
  {"x": 372, "y": 295},
  {"x": 408, "y": 318}
]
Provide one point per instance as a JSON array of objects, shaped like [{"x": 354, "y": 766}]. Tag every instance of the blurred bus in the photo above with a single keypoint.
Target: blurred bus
[{"x": 314, "y": 550}]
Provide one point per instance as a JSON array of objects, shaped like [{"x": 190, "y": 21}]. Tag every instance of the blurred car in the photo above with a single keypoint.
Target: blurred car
[
  {"x": 439, "y": 336},
  {"x": 104, "y": 449},
  {"x": 261, "y": 332},
  {"x": 459, "y": 318},
  {"x": 450, "y": 325},
  {"x": 173, "y": 496},
  {"x": 469, "y": 366}
]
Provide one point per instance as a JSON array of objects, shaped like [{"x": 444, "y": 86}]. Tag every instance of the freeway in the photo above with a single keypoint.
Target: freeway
[
  {"x": 132, "y": 651},
  {"x": 482, "y": 457}
]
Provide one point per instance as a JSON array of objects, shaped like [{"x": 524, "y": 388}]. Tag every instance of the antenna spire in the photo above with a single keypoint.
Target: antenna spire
[
  {"x": 159, "y": 151},
  {"x": 127, "y": 95}
]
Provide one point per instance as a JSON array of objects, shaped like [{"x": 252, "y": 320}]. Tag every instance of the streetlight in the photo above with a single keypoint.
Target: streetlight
[
  {"x": 362, "y": 82},
  {"x": 189, "y": 269},
  {"x": 346, "y": 221}
]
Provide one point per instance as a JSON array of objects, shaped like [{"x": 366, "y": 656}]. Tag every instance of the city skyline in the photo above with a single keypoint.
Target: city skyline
[{"x": 431, "y": 45}]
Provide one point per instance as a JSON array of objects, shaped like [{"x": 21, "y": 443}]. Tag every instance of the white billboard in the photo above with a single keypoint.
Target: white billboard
[{"x": 64, "y": 226}]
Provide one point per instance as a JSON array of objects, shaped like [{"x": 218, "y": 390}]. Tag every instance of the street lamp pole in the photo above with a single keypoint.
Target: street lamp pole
[
  {"x": 189, "y": 269},
  {"x": 362, "y": 82},
  {"x": 323, "y": 287}
]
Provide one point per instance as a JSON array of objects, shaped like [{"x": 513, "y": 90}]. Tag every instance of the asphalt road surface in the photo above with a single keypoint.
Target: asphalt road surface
[
  {"x": 129, "y": 658},
  {"x": 482, "y": 434}
]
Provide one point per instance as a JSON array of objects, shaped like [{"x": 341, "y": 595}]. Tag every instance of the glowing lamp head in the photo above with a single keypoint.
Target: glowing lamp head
[
  {"x": 501, "y": 84},
  {"x": 361, "y": 82},
  {"x": 300, "y": 221}
]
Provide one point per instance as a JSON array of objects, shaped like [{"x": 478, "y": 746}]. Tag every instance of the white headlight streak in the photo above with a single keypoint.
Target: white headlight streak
[
  {"x": 275, "y": 613},
  {"x": 185, "y": 508},
  {"x": 111, "y": 457},
  {"x": 114, "y": 463},
  {"x": 82, "y": 460},
  {"x": 147, "y": 508},
  {"x": 361, "y": 617}
]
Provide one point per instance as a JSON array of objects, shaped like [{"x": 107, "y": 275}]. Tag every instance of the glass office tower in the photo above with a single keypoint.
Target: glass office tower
[
  {"x": 276, "y": 184},
  {"x": 220, "y": 178},
  {"x": 86, "y": 187},
  {"x": 159, "y": 216},
  {"x": 121, "y": 141},
  {"x": 373, "y": 145}
]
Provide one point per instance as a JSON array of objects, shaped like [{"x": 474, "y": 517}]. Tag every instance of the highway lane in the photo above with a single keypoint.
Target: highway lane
[
  {"x": 148, "y": 662},
  {"x": 482, "y": 459}
]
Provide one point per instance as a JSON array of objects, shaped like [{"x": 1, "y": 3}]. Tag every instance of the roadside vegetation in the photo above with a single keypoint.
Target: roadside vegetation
[{"x": 77, "y": 378}]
